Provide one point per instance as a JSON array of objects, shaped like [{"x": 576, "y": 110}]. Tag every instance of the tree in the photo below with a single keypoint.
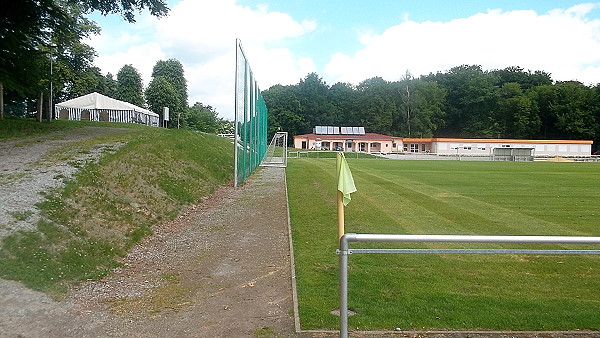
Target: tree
[
  {"x": 376, "y": 105},
  {"x": 574, "y": 110},
  {"x": 313, "y": 94},
  {"x": 517, "y": 113},
  {"x": 160, "y": 93},
  {"x": 345, "y": 110},
  {"x": 525, "y": 79},
  {"x": 30, "y": 28},
  {"x": 427, "y": 107},
  {"x": 285, "y": 111},
  {"x": 472, "y": 96},
  {"x": 127, "y": 8},
  {"x": 110, "y": 85},
  {"x": 203, "y": 118},
  {"x": 130, "y": 87},
  {"x": 172, "y": 71}
]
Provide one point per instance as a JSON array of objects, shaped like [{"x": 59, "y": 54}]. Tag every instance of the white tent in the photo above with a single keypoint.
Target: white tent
[{"x": 98, "y": 107}]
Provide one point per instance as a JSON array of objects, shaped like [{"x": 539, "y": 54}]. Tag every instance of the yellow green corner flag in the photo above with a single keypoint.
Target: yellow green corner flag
[{"x": 345, "y": 180}]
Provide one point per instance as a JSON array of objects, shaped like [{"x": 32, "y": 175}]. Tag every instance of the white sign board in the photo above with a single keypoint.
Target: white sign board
[{"x": 166, "y": 113}]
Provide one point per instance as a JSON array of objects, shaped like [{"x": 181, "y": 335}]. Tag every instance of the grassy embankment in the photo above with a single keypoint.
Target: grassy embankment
[
  {"x": 110, "y": 205},
  {"x": 415, "y": 292}
]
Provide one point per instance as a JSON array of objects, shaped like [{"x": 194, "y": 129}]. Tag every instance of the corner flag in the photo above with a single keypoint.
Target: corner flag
[
  {"x": 345, "y": 187},
  {"x": 344, "y": 176}
]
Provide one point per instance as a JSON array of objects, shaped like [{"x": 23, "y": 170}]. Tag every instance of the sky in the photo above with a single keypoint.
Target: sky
[{"x": 351, "y": 40}]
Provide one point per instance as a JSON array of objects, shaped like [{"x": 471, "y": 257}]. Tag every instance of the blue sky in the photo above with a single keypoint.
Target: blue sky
[{"x": 352, "y": 40}]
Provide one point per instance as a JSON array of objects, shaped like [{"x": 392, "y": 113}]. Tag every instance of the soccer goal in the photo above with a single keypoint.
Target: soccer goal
[{"x": 276, "y": 155}]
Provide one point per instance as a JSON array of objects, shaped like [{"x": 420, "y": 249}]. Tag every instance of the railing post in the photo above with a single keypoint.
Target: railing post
[{"x": 343, "y": 280}]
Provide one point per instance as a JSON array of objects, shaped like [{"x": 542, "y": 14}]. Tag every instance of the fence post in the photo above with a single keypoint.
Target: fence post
[{"x": 343, "y": 273}]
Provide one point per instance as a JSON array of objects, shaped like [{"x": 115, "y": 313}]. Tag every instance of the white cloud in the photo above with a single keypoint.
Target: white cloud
[
  {"x": 142, "y": 57},
  {"x": 201, "y": 34},
  {"x": 564, "y": 43}
]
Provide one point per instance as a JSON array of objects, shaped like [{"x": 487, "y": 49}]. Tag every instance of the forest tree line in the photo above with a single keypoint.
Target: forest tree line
[{"x": 465, "y": 101}]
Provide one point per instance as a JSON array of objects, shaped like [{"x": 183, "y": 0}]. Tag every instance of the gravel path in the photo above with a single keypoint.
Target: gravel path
[
  {"x": 26, "y": 171},
  {"x": 222, "y": 269}
]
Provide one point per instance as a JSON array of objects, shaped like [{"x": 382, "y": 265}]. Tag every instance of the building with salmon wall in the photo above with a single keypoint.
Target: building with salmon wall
[{"x": 355, "y": 139}]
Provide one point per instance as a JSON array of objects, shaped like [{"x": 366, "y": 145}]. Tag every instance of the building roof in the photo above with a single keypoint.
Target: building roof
[
  {"x": 499, "y": 140},
  {"x": 365, "y": 137}
]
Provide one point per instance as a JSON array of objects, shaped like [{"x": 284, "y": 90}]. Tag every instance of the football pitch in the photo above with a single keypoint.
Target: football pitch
[{"x": 437, "y": 291}]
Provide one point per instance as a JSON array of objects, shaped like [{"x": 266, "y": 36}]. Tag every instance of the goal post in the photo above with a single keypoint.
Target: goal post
[
  {"x": 277, "y": 152},
  {"x": 250, "y": 136}
]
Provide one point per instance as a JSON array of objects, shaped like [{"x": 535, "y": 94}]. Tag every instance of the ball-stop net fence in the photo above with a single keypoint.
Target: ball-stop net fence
[{"x": 250, "y": 120}]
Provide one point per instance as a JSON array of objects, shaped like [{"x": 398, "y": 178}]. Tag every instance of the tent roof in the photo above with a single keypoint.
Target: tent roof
[{"x": 99, "y": 101}]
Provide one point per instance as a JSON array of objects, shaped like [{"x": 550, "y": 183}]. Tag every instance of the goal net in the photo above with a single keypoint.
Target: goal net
[{"x": 277, "y": 151}]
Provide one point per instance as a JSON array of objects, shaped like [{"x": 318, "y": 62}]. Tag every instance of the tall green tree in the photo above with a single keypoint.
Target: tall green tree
[
  {"x": 471, "y": 100},
  {"x": 203, "y": 118},
  {"x": 130, "y": 87},
  {"x": 345, "y": 110},
  {"x": 285, "y": 111},
  {"x": 517, "y": 113},
  {"x": 525, "y": 79},
  {"x": 376, "y": 105},
  {"x": 313, "y": 95},
  {"x": 427, "y": 108},
  {"x": 110, "y": 85},
  {"x": 159, "y": 94},
  {"x": 574, "y": 110},
  {"x": 172, "y": 71}
]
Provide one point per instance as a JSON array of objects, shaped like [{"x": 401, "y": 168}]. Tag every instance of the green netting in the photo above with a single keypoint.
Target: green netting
[{"x": 250, "y": 120}]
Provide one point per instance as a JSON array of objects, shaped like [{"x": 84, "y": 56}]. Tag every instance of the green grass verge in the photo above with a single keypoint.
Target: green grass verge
[
  {"x": 112, "y": 204},
  {"x": 309, "y": 153},
  {"x": 415, "y": 292},
  {"x": 11, "y": 128}
]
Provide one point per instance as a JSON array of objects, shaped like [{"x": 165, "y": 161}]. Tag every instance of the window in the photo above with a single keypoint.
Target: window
[
  {"x": 423, "y": 147},
  {"x": 405, "y": 147},
  {"x": 481, "y": 147},
  {"x": 467, "y": 147},
  {"x": 414, "y": 148},
  {"x": 506, "y": 146}
]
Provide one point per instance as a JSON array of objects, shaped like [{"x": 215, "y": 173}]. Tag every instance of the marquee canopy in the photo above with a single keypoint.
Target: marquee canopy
[
  {"x": 98, "y": 107},
  {"x": 99, "y": 101}
]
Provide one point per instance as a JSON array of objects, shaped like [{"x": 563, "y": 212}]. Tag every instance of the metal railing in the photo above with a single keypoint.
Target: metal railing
[{"x": 344, "y": 251}]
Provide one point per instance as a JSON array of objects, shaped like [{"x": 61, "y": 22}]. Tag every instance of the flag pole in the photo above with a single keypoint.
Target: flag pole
[
  {"x": 345, "y": 186},
  {"x": 340, "y": 203},
  {"x": 340, "y": 211}
]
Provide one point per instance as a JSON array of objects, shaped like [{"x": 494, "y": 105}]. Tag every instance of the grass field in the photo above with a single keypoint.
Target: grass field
[{"x": 498, "y": 292}]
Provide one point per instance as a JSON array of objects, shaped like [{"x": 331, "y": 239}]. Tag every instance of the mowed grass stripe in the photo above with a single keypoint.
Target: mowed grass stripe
[
  {"x": 502, "y": 292},
  {"x": 449, "y": 210}
]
